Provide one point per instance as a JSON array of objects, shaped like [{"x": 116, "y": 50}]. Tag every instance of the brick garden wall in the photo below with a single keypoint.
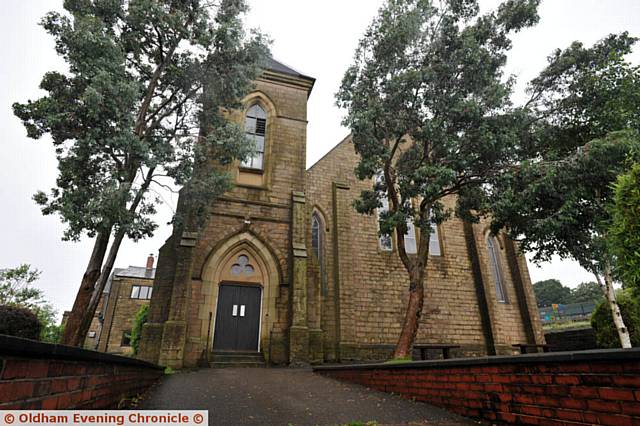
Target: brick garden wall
[
  {"x": 36, "y": 375},
  {"x": 592, "y": 387}
]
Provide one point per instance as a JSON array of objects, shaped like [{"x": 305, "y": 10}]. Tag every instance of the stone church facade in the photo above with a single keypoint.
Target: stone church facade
[{"x": 287, "y": 268}]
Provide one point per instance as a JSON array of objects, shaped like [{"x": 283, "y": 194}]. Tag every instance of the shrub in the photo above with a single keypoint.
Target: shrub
[
  {"x": 140, "y": 320},
  {"x": 19, "y": 322},
  {"x": 625, "y": 228},
  {"x": 602, "y": 321}
]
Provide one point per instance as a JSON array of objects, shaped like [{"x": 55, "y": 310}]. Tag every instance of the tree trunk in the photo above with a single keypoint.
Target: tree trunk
[
  {"x": 70, "y": 336},
  {"x": 411, "y": 323},
  {"x": 610, "y": 294},
  {"x": 92, "y": 305}
]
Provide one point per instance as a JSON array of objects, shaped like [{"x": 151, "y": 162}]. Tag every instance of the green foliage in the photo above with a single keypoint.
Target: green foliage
[
  {"x": 552, "y": 291},
  {"x": 398, "y": 361},
  {"x": 428, "y": 107},
  {"x": 602, "y": 320},
  {"x": 20, "y": 322},
  {"x": 427, "y": 103},
  {"x": 625, "y": 227},
  {"x": 568, "y": 325},
  {"x": 16, "y": 289},
  {"x": 583, "y": 128},
  {"x": 52, "y": 332},
  {"x": 138, "y": 322},
  {"x": 560, "y": 207},
  {"x": 168, "y": 371},
  {"x": 144, "y": 76},
  {"x": 587, "y": 293}
]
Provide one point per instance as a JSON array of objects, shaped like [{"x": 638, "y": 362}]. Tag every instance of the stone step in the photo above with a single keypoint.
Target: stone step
[
  {"x": 236, "y": 364},
  {"x": 239, "y": 359},
  {"x": 233, "y": 353}
]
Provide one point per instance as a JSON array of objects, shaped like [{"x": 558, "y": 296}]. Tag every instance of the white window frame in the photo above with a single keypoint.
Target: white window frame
[
  {"x": 434, "y": 240},
  {"x": 410, "y": 238},
  {"x": 255, "y": 113},
  {"x": 135, "y": 292}
]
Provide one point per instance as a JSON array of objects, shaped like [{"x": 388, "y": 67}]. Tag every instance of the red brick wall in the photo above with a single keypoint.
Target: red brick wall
[
  {"x": 78, "y": 379},
  {"x": 538, "y": 389}
]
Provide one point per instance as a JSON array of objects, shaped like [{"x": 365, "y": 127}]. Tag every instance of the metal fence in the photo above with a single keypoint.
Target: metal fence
[{"x": 570, "y": 312}]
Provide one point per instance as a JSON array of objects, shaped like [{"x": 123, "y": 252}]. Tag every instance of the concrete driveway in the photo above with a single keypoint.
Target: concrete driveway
[{"x": 281, "y": 396}]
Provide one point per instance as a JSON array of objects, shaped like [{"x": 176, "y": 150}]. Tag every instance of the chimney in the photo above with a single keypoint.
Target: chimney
[{"x": 150, "y": 261}]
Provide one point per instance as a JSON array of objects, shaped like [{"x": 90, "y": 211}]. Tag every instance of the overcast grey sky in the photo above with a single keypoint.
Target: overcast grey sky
[{"x": 317, "y": 38}]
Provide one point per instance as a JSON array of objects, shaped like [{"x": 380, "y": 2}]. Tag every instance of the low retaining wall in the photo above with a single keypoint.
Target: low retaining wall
[
  {"x": 581, "y": 339},
  {"x": 577, "y": 388},
  {"x": 35, "y": 375}
]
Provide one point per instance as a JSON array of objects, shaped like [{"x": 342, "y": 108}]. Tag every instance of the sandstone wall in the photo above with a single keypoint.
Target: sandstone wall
[{"x": 367, "y": 289}]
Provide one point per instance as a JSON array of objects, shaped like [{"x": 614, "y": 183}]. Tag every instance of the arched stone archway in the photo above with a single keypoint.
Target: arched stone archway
[{"x": 242, "y": 261}]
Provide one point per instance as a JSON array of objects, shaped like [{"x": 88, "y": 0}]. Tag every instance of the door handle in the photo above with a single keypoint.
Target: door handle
[
  {"x": 241, "y": 310},
  {"x": 234, "y": 311}
]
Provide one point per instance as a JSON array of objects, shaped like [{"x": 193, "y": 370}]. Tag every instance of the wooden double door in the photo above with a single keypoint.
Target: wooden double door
[{"x": 237, "y": 318}]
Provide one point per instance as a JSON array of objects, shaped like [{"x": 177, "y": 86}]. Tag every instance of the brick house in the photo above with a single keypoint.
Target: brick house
[{"x": 287, "y": 269}]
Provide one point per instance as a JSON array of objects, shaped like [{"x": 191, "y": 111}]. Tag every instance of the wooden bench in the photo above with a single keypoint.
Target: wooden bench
[
  {"x": 446, "y": 349},
  {"x": 525, "y": 348}
]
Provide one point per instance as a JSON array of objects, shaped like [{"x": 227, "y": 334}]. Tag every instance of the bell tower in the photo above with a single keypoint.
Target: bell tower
[{"x": 200, "y": 307}]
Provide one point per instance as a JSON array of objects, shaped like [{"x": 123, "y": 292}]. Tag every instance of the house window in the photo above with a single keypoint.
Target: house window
[
  {"x": 494, "y": 256},
  {"x": 255, "y": 128},
  {"x": 126, "y": 338},
  {"x": 141, "y": 292}
]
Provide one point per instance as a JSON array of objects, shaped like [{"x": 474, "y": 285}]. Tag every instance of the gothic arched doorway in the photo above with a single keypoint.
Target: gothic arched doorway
[
  {"x": 260, "y": 270},
  {"x": 239, "y": 304}
]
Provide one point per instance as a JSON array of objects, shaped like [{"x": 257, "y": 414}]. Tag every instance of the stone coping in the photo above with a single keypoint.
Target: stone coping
[
  {"x": 539, "y": 358},
  {"x": 16, "y": 346}
]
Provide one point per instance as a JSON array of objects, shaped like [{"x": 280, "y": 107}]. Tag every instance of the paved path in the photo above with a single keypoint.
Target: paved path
[{"x": 273, "y": 396}]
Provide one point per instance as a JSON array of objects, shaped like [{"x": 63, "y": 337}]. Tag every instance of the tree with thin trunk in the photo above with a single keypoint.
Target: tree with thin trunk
[
  {"x": 125, "y": 117},
  {"x": 585, "y": 115},
  {"x": 428, "y": 107}
]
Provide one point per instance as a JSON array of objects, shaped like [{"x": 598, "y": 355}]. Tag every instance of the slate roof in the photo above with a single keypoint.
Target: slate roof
[
  {"x": 130, "y": 272},
  {"x": 277, "y": 66},
  {"x": 137, "y": 272}
]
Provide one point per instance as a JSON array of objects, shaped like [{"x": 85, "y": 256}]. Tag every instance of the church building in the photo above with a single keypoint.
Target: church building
[{"x": 287, "y": 270}]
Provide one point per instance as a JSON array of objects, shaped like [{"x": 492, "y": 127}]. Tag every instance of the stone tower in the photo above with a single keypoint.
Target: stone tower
[{"x": 245, "y": 288}]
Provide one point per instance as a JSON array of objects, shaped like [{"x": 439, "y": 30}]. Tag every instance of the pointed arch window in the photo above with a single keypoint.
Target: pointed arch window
[
  {"x": 317, "y": 237},
  {"x": 494, "y": 259},
  {"x": 255, "y": 128},
  {"x": 317, "y": 246}
]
